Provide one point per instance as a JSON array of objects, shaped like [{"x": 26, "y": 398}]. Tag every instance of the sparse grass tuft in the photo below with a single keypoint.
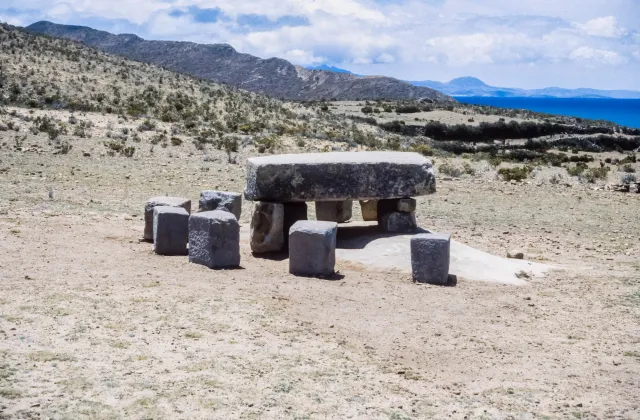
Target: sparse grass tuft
[
  {"x": 10, "y": 393},
  {"x": 518, "y": 173},
  {"x": 46, "y": 356}
]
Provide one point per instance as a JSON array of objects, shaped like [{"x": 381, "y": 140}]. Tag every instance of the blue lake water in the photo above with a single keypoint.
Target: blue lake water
[{"x": 621, "y": 111}]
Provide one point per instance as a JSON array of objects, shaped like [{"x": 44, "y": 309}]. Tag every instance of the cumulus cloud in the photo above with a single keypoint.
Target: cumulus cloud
[
  {"x": 604, "y": 26},
  {"x": 448, "y": 37}
]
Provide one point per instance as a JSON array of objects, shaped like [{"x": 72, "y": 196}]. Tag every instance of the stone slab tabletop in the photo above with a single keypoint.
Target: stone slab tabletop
[{"x": 339, "y": 176}]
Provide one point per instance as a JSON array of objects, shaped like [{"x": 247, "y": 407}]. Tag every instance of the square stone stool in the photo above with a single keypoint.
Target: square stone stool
[
  {"x": 221, "y": 200},
  {"x": 334, "y": 211},
  {"x": 214, "y": 239},
  {"x": 161, "y": 201},
  {"x": 312, "y": 248},
  {"x": 430, "y": 256},
  {"x": 170, "y": 230}
]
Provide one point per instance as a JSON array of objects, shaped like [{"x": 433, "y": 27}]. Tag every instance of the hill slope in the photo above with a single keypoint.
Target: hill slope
[
  {"x": 221, "y": 63},
  {"x": 50, "y": 73}
]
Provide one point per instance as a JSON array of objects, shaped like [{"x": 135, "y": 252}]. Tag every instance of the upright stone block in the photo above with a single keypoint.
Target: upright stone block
[
  {"x": 312, "y": 248},
  {"x": 398, "y": 222},
  {"x": 214, "y": 239},
  {"x": 267, "y": 227},
  {"x": 220, "y": 200},
  {"x": 405, "y": 205},
  {"x": 430, "y": 257},
  {"x": 161, "y": 201},
  {"x": 369, "y": 209},
  {"x": 293, "y": 212},
  {"x": 334, "y": 211},
  {"x": 170, "y": 230}
]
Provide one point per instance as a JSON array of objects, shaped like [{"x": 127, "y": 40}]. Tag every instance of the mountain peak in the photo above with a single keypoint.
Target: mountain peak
[
  {"x": 327, "y": 67},
  {"x": 467, "y": 82}
]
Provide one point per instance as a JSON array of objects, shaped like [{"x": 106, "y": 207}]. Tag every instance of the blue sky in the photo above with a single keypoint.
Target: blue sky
[{"x": 537, "y": 43}]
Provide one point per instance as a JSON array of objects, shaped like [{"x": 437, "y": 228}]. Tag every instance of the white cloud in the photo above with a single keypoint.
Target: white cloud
[
  {"x": 12, "y": 20},
  {"x": 385, "y": 58},
  {"x": 605, "y": 27},
  {"x": 597, "y": 56},
  {"x": 302, "y": 57},
  {"x": 446, "y": 37}
]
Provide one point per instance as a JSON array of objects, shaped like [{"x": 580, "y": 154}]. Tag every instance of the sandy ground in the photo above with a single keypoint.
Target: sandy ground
[{"x": 93, "y": 325}]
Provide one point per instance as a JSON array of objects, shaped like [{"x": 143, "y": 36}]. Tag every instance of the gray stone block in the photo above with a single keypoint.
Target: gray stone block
[
  {"x": 267, "y": 227},
  {"x": 398, "y": 222},
  {"x": 214, "y": 239},
  {"x": 369, "y": 209},
  {"x": 334, "y": 211},
  {"x": 312, "y": 248},
  {"x": 221, "y": 200},
  {"x": 161, "y": 201},
  {"x": 406, "y": 205},
  {"x": 170, "y": 230},
  {"x": 293, "y": 212},
  {"x": 430, "y": 257},
  {"x": 339, "y": 176}
]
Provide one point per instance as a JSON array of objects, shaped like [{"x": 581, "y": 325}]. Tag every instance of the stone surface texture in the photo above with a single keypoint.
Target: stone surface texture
[
  {"x": 398, "y": 222},
  {"x": 312, "y": 248},
  {"x": 407, "y": 205},
  {"x": 170, "y": 230},
  {"x": 214, "y": 239},
  {"x": 339, "y": 176},
  {"x": 334, "y": 211},
  {"x": 293, "y": 212},
  {"x": 430, "y": 258},
  {"x": 267, "y": 227},
  {"x": 221, "y": 200},
  {"x": 161, "y": 201},
  {"x": 369, "y": 210}
]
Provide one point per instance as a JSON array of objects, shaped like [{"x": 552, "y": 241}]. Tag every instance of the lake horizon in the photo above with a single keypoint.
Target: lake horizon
[{"x": 624, "y": 112}]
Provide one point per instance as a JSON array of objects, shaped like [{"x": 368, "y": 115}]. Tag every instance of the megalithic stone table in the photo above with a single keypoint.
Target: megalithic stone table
[{"x": 342, "y": 177}]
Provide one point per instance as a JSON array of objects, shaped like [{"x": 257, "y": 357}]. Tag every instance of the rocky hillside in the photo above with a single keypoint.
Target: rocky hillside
[
  {"x": 221, "y": 63},
  {"x": 44, "y": 72}
]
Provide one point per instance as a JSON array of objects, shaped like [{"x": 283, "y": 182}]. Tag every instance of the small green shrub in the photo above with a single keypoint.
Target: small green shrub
[
  {"x": 517, "y": 173},
  {"x": 627, "y": 169},
  {"x": 268, "y": 144},
  {"x": 450, "y": 170},
  {"x": 578, "y": 169},
  {"x": 594, "y": 174},
  {"x": 423, "y": 149},
  {"x": 147, "y": 125},
  {"x": 367, "y": 110}
]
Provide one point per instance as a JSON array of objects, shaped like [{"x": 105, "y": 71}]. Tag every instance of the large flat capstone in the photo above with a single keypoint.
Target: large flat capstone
[{"x": 339, "y": 176}]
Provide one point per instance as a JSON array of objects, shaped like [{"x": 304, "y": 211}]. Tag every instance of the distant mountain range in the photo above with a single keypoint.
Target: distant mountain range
[
  {"x": 223, "y": 64},
  {"x": 471, "y": 86}
]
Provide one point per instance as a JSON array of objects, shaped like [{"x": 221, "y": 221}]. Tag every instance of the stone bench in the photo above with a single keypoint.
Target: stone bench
[{"x": 381, "y": 181}]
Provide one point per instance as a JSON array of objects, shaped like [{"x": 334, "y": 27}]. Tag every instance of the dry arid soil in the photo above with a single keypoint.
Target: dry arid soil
[{"x": 94, "y": 325}]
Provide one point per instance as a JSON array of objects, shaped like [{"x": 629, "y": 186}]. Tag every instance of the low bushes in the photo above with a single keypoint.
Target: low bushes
[{"x": 515, "y": 174}]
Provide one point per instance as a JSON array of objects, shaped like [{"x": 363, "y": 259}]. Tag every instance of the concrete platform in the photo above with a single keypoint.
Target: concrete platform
[{"x": 362, "y": 244}]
